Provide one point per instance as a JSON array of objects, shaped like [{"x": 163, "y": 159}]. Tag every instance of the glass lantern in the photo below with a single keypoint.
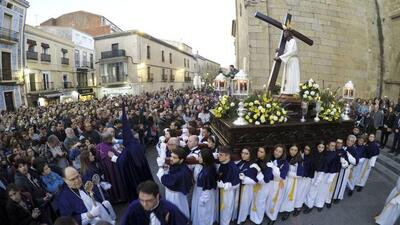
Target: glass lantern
[
  {"x": 220, "y": 83},
  {"x": 348, "y": 96},
  {"x": 240, "y": 84}
]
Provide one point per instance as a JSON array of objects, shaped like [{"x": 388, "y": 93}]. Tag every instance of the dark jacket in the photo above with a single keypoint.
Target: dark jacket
[
  {"x": 19, "y": 215},
  {"x": 37, "y": 192}
]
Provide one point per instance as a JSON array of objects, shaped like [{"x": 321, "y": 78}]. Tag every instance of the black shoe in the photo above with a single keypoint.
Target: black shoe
[
  {"x": 307, "y": 210},
  {"x": 296, "y": 212},
  {"x": 329, "y": 205},
  {"x": 350, "y": 193},
  {"x": 336, "y": 201},
  {"x": 359, "y": 189},
  {"x": 320, "y": 209},
  {"x": 285, "y": 216}
]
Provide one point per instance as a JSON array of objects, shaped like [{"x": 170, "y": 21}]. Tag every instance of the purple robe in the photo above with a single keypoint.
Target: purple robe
[{"x": 111, "y": 172}]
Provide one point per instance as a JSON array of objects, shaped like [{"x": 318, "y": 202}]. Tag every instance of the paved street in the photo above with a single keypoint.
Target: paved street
[{"x": 359, "y": 209}]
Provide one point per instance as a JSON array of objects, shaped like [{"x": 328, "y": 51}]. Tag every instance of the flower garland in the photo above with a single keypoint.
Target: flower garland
[
  {"x": 224, "y": 106},
  {"x": 264, "y": 110},
  {"x": 309, "y": 91}
]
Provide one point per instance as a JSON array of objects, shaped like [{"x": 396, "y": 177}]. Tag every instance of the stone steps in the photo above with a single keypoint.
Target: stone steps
[{"x": 387, "y": 165}]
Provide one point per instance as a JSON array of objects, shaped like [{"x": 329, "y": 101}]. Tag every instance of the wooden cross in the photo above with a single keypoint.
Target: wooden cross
[{"x": 282, "y": 43}]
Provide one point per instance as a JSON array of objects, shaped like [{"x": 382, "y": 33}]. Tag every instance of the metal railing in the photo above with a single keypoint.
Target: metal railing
[
  {"x": 114, "y": 79},
  {"x": 64, "y": 61},
  {"x": 42, "y": 86},
  {"x": 8, "y": 34},
  {"x": 7, "y": 75},
  {"x": 45, "y": 57},
  {"x": 67, "y": 84},
  {"x": 112, "y": 54},
  {"x": 31, "y": 55}
]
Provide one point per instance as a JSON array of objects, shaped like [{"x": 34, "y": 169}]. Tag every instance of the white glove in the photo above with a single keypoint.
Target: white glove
[
  {"x": 270, "y": 164},
  {"x": 107, "y": 204},
  {"x": 105, "y": 185},
  {"x": 215, "y": 154},
  {"x": 182, "y": 144},
  {"x": 95, "y": 211},
  {"x": 344, "y": 162},
  {"x": 351, "y": 158},
  {"x": 220, "y": 184},
  {"x": 227, "y": 186},
  {"x": 162, "y": 139},
  {"x": 260, "y": 177},
  {"x": 114, "y": 158},
  {"x": 160, "y": 173},
  {"x": 241, "y": 176},
  {"x": 160, "y": 161},
  {"x": 184, "y": 138},
  {"x": 276, "y": 172},
  {"x": 372, "y": 161}
]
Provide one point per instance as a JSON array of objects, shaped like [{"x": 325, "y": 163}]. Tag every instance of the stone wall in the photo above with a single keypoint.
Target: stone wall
[{"x": 346, "y": 42}]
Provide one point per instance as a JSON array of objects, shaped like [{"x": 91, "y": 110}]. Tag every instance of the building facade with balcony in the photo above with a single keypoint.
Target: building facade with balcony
[
  {"x": 206, "y": 68},
  {"x": 84, "y": 58},
  {"x": 12, "y": 22},
  {"x": 132, "y": 62},
  {"x": 49, "y": 74}
]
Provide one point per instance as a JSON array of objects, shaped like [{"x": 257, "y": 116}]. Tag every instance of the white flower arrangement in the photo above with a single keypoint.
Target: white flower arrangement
[{"x": 309, "y": 91}]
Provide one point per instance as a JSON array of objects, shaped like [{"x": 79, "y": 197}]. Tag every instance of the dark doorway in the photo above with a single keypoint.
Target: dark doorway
[{"x": 9, "y": 99}]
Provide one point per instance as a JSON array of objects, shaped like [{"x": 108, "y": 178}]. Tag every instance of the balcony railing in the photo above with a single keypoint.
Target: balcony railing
[
  {"x": 64, "y": 61},
  {"x": 188, "y": 79},
  {"x": 113, "y": 54},
  {"x": 31, "y": 55},
  {"x": 67, "y": 84},
  {"x": 45, "y": 57},
  {"x": 113, "y": 79},
  {"x": 41, "y": 86},
  {"x": 7, "y": 76},
  {"x": 8, "y": 35}
]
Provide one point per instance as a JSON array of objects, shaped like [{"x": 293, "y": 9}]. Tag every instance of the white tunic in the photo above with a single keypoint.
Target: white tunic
[
  {"x": 391, "y": 210},
  {"x": 291, "y": 69},
  {"x": 261, "y": 194},
  {"x": 245, "y": 199},
  {"x": 302, "y": 191},
  {"x": 290, "y": 192},
  {"x": 275, "y": 201},
  {"x": 203, "y": 202},
  {"x": 316, "y": 184},
  {"x": 365, "y": 171},
  {"x": 104, "y": 215}
]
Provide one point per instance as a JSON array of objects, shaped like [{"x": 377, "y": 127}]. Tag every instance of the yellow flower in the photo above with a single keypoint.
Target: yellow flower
[
  {"x": 250, "y": 121},
  {"x": 272, "y": 122},
  {"x": 219, "y": 109},
  {"x": 255, "y": 116},
  {"x": 262, "y": 118},
  {"x": 263, "y": 110}
]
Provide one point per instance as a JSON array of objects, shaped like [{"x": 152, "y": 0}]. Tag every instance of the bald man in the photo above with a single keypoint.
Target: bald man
[
  {"x": 193, "y": 147},
  {"x": 75, "y": 202}
]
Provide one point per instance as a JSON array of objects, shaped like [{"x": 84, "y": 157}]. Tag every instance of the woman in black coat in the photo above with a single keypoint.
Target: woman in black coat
[{"x": 388, "y": 121}]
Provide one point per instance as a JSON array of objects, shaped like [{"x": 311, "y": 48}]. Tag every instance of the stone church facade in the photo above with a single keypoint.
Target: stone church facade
[{"x": 352, "y": 41}]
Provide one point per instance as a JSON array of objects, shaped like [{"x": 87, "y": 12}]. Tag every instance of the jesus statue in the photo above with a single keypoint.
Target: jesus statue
[{"x": 291, "y": 71}]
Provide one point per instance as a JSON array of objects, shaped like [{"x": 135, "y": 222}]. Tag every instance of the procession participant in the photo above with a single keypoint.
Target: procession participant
[
  {"x": 391, "y": 211},
  {"x": 248, "y": 171},
  {"x": 362, "y": 155},
  {"x": 263, "y": 188},
  {"x": 178, "y": 180},
  {"x": 329, "y": 173},
  {"x": 293, "y": 181},
  {"x": 280, "y": 169},
  {"x": 346, "y": 161},
  {"x": 149, "y": 209},
  {"x": 72, "y": 200},
  {"x": 192, "y": 145},
  {"x": 371, "y": 152},
  {"x": 228, "y": 182},
  {"x": 204, "y": 193},
  {"x": 319, "y": 163},
  {"x": 352, "y": 150},
  {"x": 305, "y": 185},
  {"x": 107, "y": 157}
]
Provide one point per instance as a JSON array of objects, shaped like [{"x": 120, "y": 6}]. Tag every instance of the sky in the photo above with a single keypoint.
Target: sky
[{"x": 205, "y": 25}]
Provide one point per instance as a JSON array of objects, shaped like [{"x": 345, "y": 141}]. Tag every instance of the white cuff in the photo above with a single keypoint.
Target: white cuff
[{"x": 114, "y": 159}]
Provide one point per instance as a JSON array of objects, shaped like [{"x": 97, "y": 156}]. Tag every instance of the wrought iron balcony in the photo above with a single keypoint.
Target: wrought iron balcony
[
  {"x": 67, "y": 84},
  {"x": 45, "y": 57},
  {"x": 7, "y": 35},
  {"x": 113, "y": 54},
  {"x": 31, "y": 55},
  {"x": 114, "y": 79},
  {"x": 64, "y": 61},
  {"x": 42, "y": 86}
]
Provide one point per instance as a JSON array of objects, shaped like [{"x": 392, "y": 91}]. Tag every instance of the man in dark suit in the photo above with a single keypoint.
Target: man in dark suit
[{"x": 396, "y": 140}]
